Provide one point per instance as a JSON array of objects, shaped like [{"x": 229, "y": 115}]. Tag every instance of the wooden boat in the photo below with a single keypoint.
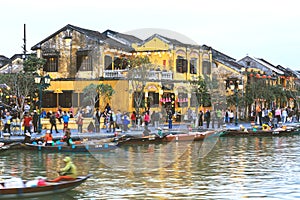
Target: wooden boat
[
  {"x": 48, "y": 189},
  {"x": 76, "y": 147},
  {"x": 189, "y": 136},
  {"x": 274, "y": 132},
  {"x": 11, "y": 146},
  {"x": 167, "y": 137}
]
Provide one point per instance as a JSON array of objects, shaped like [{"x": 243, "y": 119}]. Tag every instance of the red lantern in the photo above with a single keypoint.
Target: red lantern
[
  {"x": 269, "y": 76},
  {"x": 264, "y": 76},
  {"x": 251, "y": 75},
  {"x": 257, "y": 76}
]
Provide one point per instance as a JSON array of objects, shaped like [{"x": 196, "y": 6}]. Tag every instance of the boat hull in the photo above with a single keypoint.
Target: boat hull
[
  {"x": 49, "y": 189},
  {"x": 72, "y": 148},
  {"x": 169, "y": 137},
  {"x": 262, "y": 133}
]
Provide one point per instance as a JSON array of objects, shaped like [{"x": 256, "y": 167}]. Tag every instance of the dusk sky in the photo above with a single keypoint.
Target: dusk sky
[{"x": 267, "y": 29}]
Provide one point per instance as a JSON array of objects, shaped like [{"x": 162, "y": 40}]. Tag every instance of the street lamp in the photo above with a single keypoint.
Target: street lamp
[
  {"x": 43, "y": 82},
  {"x": 236, "y": 87}
]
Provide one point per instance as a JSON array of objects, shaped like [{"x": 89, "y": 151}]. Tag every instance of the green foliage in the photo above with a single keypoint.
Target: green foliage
[
  {"x": 21, "y": 86},
  {"x": 138, "y": 76},
  {"x": 92, "y": 93},
  {"x": 133, "y": 62},
  {"x": 33, "y": 63},
  {"x": 105, "y": 90},
  {"x": 200, "y": 87}
]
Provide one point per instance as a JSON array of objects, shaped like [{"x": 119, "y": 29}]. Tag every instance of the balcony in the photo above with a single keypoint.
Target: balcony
[
  {"x": 114, "y": 73},
  {"x": 153, "y": 75},
  {"x": 167, "y": 75}
]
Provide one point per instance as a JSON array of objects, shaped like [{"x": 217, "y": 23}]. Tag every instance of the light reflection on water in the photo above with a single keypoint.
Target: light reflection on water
[{"x": 235, "y": 168}]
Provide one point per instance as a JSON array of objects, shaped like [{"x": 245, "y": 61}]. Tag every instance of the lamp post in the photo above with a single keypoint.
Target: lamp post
[
  {"x": 235, "y": 87},
  {"x": 43, "y": 82}
]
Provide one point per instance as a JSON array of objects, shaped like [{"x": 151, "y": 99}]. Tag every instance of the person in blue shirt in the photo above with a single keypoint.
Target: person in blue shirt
[
  {"x": 6, "y": 120},
  {"x": 66, "y": 119}
]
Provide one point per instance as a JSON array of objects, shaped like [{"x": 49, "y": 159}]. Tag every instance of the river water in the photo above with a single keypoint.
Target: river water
[{"x": 216, "y": 168}]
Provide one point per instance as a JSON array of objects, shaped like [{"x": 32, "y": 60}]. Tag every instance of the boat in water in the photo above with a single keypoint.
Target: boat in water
[
  {"x": 287, "y": 131},
  {"x": 170, "y": 136},
  {"x": 79, "y": 146},
  {"x": 48, "y": 188}
]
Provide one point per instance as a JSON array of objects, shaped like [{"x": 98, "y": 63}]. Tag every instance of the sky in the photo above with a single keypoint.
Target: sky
[{"x": 267, "y": 29}]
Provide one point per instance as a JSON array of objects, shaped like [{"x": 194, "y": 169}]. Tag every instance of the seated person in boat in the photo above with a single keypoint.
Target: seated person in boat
[
  {"x": 68, "y": 173},
  {"x": 67, "y": 137},
  {"x": 27, "y": 138},
  {"x": 48, "y": 139}
]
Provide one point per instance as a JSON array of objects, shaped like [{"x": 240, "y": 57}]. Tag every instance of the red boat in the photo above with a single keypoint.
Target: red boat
[{"x": 168, "y": 137}]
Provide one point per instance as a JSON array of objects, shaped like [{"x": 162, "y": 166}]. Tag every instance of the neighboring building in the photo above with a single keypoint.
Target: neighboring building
[
  {"x": 260, "y": 69},
  {"x": 4, "y": 61},
  {"x": 13, "y": 64}
]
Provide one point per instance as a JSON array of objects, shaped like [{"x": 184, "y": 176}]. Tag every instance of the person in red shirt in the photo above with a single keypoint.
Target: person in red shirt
[
  {"x": 133, "y": 119},
  {"x": 27, "y": 122},
  {"x": 146, "y": 118},
  {"x": 48, "y": 139}
]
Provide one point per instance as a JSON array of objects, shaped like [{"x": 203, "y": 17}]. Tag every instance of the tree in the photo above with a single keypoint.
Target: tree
[
  {"x": 137, "y": 76},
  {"x": 92, "y": 93},
  {"x": 199, "y": 87},
  {"x": 105, "y": 91},
  {"x": 33, "y": 64},
  {"x": 22, "y": 85}
]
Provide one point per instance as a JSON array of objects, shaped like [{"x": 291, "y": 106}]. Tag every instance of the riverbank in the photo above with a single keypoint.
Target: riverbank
[{"x": 19, "y": 136}]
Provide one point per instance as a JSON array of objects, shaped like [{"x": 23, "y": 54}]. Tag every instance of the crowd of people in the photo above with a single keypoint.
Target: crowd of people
[{"x": 111, "y": 121}]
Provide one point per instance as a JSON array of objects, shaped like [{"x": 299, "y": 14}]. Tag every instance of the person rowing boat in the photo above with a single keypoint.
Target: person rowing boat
[{"x": 68, "y": 173}]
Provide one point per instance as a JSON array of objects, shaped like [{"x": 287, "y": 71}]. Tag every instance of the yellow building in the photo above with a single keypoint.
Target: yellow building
[{"x": 77, "y": 57}]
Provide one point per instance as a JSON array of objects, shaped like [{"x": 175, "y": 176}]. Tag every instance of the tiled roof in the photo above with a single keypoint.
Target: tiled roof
[
  {"x": 169, "y": 41},
  {"x": 120, "y": 36},
  {"x": 4, "y": 60},
  {"x": 90, "y": 33},
  {"x": 117, "y": 45}
]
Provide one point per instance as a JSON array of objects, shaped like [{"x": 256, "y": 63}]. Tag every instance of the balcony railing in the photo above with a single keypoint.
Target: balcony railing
[
  {"x": 114, "y": 73},
  {"x": 167, "y": 75},
  {"x": 153, "y": 75}
]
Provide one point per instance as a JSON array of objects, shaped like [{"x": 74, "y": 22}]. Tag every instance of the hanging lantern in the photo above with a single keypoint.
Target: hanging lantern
[
  {"x": 264, "y": 76},
  {"x": 169, "y": 100},
  {"x": 251, "y": 75},
  {"x": 269, "y": 76},
  {"x": 257, "y": 76}
]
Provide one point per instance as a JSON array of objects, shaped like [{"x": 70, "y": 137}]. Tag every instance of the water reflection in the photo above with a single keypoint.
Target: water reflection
[{"x": 233, "y": 168}]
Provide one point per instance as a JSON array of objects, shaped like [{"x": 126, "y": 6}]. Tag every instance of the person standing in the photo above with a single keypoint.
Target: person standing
[
  {"x": 6, "y": 120},
  {"x": 66, "y": 119},
  {"x": 35, "y": 119},
  {"x": 207, "y": 118},
  {"x": 27, "y": 122},
  {"x": 133, "y": 119},
  {"x": 170, "y": 119},
  {"x": 201, "y": 118},
  {"x": 53, "y": 122},
  {"x": 155, "y": 119},
  {"x": 96, "y": 117},
  {"x": 126, "y": 121},
  {"x": 119, "y": 120},
  {"x": 79, "y": 122},
  {"x": 146, "y": 118}
]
